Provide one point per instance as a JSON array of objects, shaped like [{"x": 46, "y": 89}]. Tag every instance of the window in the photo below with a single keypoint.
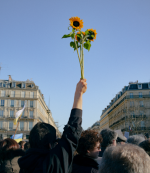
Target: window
[
  {"x": 142, "y": 125},
  {"x": 23, "y": 94},
  {"x": 1, "y": 113},
  {"x": 22, "y": 103},
  {"x": 1, "y": 84},
  {"x": 12, "y": 93},
  {"x": 132, "y": 104},
  {"x": 31, "y": 104},
  {"x": 140, "y": 95},
  {"x": 32, "y": 85},
  {"x": 2, "y": 93},
  {"x": 139, "y": 86},
  {"x": 148, "y": 85},
  {"x": 132, "y": 114},
  {"x": 141, "y": 104},
  {"x": 30, "y": 125},
  {"x": 22, "y": 114},
  {"x": 131, "y": 95},
  {"x": 21, "y": 125},
  {"x": 141, "y": 113},
  {"x": 1, "y": 124},
  {"x": 31, "y": 114},
  {"x": 10, "y": 125},
  {"x": 12, "y": 103},
  {"x": 13, "y": 84},
  {"x": 4, "y": 85},
  {"x": 2, "y": 102},
  {"x": 11, "y": 113},
  {"x": 23, "y": 85},
  {"x": 31, "y": 94}
]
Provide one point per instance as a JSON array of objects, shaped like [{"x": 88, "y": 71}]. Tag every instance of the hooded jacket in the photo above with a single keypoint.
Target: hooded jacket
[
  {"x": 9, "y": 160},
  {"x": 58, "y": 159},
  {"x": 84, "y": 164}
]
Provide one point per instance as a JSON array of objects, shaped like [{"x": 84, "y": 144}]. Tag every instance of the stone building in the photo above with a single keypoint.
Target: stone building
[
  {"x": 95, "y": 126},
  {"x": 13, "y": 96},
  {"x": 129, "y": 110}
]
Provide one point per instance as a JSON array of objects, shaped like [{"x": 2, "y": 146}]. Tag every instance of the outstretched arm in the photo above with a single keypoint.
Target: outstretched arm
[{"x": 80, "y": 89}]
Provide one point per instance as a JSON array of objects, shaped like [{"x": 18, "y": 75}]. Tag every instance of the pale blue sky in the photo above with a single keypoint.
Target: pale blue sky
[{"x": 31, "y": 47}]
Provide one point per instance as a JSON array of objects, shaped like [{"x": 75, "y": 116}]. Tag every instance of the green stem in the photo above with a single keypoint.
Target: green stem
[
  {"x": 77, "y": 52},
  {"x": 82, "y": 61}
]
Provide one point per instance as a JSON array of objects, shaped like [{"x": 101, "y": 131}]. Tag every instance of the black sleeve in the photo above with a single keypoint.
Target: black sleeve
[{"x": 60, "y": 158}]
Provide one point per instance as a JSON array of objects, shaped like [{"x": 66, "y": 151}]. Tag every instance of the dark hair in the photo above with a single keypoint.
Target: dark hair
[
  {"x": 146, "y": 146},
  {"x": 87, "y": 141},
  {"x": 8, "y": 144},
  {"x": 41, "y": 135},
  {"x": 135, "y": 139},
  {"x": 125, "y": 158},
  {"x": 108, "y": 136},
  {"x": 26, "y": 146}
]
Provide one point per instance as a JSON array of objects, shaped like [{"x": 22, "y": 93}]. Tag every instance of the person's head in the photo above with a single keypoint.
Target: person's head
[
  {"x": 126, "y": 158},
  {"x": 146, "y": 146},
  {"x": 42, "y": 135},
  {"x": 26, "y": 146},
  {"x": 89, "y": 143},
  {"x": 22, "y": 143},
  {"x": 135, "y": 139},
  {"x": 8, "y": 144},
  {"x": 109, "y": 137}
]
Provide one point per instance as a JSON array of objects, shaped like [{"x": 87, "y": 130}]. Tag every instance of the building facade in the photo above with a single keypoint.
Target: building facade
[
  {"x": 13, "y": 96},
  {"x": 95, "y": 126},
  {"x": 129, "y": 110}
]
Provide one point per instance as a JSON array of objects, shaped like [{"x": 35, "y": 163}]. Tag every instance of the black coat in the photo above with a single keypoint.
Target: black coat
[
  {"x": 102, "y": 151},
  {"x": 59, "y": 159},
  {"x": 84, "y": 164},
  {"x": 9, "y": 161}
]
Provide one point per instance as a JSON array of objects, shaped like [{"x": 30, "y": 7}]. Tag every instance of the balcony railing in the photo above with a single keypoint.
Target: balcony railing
[{"x": 129, "y": 117}]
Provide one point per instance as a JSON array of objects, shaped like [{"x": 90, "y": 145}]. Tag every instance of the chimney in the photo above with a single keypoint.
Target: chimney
[{"x": 10, "y": 79}]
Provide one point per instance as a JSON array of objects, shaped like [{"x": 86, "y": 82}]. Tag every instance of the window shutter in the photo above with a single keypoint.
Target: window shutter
[
  {"x": 34, "y": 103},
  {"x": 15, "y": 103},
  {"x": 19, "y": 103},
  {"x": 28, "y": 103}
]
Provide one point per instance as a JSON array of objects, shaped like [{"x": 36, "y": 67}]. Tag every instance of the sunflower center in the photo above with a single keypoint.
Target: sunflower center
[
  {"x": 91, "y": 34},
  {"x": 76, "y": 23}
]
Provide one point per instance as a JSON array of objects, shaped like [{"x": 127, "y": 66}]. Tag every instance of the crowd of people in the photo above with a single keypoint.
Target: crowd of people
[{"x": 77, "y": 151}]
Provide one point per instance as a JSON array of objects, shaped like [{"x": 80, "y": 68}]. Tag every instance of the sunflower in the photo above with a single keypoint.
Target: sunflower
[
  {"x": 78, "y": 38},
  {"x": 92, "y": 34},
  {"x": 76, "y": 23}
]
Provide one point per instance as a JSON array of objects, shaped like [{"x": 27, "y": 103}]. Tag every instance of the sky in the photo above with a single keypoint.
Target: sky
[{"x": 31, "y": 47}]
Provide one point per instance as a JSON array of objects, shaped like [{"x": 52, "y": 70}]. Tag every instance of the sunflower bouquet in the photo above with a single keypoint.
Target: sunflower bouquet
[{"x": 80, "y": 39}]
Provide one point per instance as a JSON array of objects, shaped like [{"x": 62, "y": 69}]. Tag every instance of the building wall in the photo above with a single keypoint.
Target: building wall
[
  {"x": 13, "y": 98},
  {"x": 130, "y": 112}
]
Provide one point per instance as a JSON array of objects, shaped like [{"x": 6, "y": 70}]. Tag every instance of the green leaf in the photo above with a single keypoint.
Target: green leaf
[
  {"x": 79, "y": 35},
  {"x": 66, "y": 36},
  {"x": 87, "y": 45},
  {"x": 68, "y": 27},
  {"x": 72, "y": 35},
  {"x": 72, "y": 44},
  {"x": 73, "y": 30},
  {"x": 86, "y": 32}
]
